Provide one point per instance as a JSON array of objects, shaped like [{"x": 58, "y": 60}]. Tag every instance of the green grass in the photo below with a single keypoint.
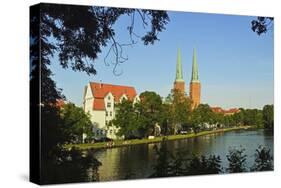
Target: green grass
[{"x": 120, "y": 143}]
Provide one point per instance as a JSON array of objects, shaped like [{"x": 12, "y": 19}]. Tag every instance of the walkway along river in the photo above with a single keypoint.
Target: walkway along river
[{"x": 136, "y": 161}]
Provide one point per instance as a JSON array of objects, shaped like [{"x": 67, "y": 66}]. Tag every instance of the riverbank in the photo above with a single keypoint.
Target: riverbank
[{"x": 121, "y": 143}]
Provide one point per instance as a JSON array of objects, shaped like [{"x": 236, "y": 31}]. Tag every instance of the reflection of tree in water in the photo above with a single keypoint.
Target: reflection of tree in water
[{"x": 169, "y": 164}]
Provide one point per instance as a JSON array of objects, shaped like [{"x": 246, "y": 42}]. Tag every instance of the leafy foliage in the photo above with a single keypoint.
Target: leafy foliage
[
  {"x": 149, "y": 109},
  {"x": 79, "y": 32},
  {"x": 262, "y": 24},
  {"x": 202, "y": 114},
  {"x": 237, "y": 160},
  {"x": 268, "y": 116},
  {"x": 126, "y": 119},
  {"x": 76, "y": 123},
  {"x": 263, "y": 160},
  {"x": 204, "y": 165},
  {"x": 138, "y": 120},
  {"x": 179, "y": 110}
]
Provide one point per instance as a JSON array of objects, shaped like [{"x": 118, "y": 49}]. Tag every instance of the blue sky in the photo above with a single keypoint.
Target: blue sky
[{"x": 235, "y": 65}]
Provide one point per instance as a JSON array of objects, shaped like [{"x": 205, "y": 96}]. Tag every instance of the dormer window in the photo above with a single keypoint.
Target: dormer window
[{"x": 108, "y": 105}]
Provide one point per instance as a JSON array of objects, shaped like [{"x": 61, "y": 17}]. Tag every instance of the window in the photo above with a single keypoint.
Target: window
[
  {"x": 106, "y": 122},
  {"x": 110, "y": 113},
  {"x": 108, "y": 97},
  {"x": 108, "y": 104},
  {"x": 106, "y": 113}
]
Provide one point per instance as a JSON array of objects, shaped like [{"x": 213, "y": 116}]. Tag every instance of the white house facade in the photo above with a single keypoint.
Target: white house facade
[{"x": 99, "y": 101}]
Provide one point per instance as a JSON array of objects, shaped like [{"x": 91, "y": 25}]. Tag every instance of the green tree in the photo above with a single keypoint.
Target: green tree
[
  {"x": 237, "y": 160},
  {"x": 76, "y": 123},
  {"x": 165, "y": 118},
  {"x": 263, "y": 160},
  {"x": 179, "y": 110},
  {"x": 127, "y": 119},
  {"x": 150, "y": 109},
  {"x": 200, "y": 115},
  {"x": 139, "y": 119},
  {"x": 252, "y": 117},
  {"x": 268, "y": 116}
]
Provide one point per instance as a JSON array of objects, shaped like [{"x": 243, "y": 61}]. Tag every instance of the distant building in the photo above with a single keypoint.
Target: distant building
[
  {"x": 230, "y": 111},
  {"x": 99, "y": 101},
  {"x": 194, "y": 86}
]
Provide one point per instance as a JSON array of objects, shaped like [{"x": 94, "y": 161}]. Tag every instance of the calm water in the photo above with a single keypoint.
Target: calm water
[{"x": 137, "y": 161}]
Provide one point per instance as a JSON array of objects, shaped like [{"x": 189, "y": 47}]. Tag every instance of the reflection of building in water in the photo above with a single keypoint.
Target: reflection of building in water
[
  {"x": 125, "y": 162},
  {"x": 99, "y": 101}
]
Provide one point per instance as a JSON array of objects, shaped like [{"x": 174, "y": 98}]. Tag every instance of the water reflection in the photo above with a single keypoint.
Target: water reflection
[{"x": 137, "y": 161}]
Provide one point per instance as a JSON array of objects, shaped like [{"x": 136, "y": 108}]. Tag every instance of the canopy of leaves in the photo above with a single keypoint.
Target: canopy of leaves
[
  {"x": 263, "y": 160},
  {"x": 268, "y": 116},
  {"x": 126, "y": 119},
  {"x": 204, "y": 165},
  {"x": 237, "y": 160},
  {"x": 262, "y": 24},
  {"x": 76, "y": 123},
  {"x": 179, "y": 109},
  {"x": 79, "y": 32}
]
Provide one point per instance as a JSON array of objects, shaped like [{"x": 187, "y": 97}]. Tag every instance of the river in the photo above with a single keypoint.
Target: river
[{"x": 136, "y": 161}]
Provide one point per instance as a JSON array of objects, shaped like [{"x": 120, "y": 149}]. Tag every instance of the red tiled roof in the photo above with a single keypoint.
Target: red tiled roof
[
  {"x": 98, "y": 104},
  {"x": 232, "y": 111},
  {"x": 100, "y": 90},
  {"x": 220, "y": 110},
  {"x": 217, "y": 109},
  {"x": 59, "y": 103}
]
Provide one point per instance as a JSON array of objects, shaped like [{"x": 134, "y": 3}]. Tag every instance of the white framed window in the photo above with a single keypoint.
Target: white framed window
[{"x": 108, "y": 105}]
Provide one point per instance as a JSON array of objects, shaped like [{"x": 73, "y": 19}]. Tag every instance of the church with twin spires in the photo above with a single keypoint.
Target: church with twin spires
[{"x": 194, "y": 86}]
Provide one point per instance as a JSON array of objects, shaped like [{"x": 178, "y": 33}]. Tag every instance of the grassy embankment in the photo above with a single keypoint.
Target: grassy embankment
[{"x": 120, "y": 143}]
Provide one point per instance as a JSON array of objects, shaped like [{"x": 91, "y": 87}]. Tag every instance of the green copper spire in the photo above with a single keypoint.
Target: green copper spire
[
  {"x": 179, "y": 76},
  {"x": 195, "y": 76}
]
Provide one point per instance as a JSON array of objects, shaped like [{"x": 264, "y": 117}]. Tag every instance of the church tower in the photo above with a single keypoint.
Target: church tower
[
  {"x": 195, "y": 86},
  {"x": 179, "y": 83}
]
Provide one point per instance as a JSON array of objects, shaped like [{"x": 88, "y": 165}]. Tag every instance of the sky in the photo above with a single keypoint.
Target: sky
[{"x": 236, "y": 65}]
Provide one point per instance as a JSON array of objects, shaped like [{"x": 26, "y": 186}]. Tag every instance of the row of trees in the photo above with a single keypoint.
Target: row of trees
[
  {"x": 174, "y": 114},
  {"x": 168, "y": 165}
]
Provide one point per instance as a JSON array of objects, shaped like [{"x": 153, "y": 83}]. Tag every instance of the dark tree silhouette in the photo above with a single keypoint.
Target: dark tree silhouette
[
  {"x": 178, "y": 164},
  {"x": 263, "y": 160},
  {"x": 268, "y": 116},
  {"x": 237, "y": 160},
  {"x": 204, "y": 165},
  {"x": 162, "y": 168},
  {"x": 79, "y": 32},
  {"x": 262, "y": 24}
]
